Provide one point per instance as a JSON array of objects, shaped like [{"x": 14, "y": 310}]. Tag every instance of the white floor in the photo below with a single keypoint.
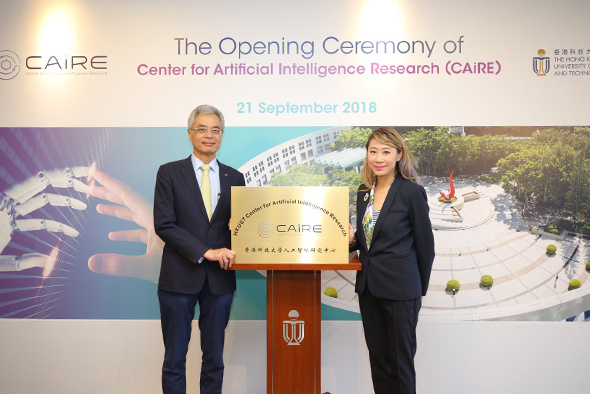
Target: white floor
[{"x": 110, "y": 357}]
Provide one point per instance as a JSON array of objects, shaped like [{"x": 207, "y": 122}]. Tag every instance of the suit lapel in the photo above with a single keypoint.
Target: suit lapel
[
  {"x": 387, "y": 204},
  {"x": 188, "y": 172},
  {"x": 363, "y": 201}
]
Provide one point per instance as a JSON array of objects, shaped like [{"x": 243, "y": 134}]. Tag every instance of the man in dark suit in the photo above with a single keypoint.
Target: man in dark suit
[{"x": 191, "y": 215}]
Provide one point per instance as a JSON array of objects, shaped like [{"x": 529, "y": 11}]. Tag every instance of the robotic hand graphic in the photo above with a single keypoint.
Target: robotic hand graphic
[
  {"x": 129, "y": 206},
  {"x": 24, "y": 198}
]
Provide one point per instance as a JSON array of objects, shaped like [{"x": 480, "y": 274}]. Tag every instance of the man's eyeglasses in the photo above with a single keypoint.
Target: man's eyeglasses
[{"x": 204, "y": 130}]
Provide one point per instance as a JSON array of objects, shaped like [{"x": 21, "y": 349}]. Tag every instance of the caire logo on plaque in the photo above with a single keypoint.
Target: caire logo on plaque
[
  {"x": 265, "y": 229},
  {"x": 293, "y": 330},
  {"x": 541, "y": 63}
]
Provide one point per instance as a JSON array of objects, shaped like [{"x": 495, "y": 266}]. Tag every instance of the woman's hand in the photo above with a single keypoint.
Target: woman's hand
[{"x": 351, "y": 238}]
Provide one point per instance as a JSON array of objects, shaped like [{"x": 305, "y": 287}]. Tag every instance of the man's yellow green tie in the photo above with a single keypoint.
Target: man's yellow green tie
[{"x": 206, "y": 189}]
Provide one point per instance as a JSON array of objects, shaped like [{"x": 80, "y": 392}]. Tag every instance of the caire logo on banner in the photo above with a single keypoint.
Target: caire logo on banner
[
  {"x": 51, "y": 65},
  {"x": 9, "y": 64},
  {"x": 541, "y": 63}
]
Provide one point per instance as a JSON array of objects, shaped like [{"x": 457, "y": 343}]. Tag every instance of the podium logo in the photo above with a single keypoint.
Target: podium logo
[
  {"x": 293, "y": 330},
  {"x": 265, "y": 229},
  {"x": 9, "y": 65}
]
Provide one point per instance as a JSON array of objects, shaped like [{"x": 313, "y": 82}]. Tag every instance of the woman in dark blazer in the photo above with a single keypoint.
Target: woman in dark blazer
[{"x": 396, "y": 248}]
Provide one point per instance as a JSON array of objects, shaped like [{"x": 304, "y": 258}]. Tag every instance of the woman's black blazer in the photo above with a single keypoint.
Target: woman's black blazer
[{"x": 398, "y": 265}]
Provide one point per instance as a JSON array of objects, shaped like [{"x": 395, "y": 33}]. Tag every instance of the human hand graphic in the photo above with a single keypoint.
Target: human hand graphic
[{"x": 129, "y": 206}]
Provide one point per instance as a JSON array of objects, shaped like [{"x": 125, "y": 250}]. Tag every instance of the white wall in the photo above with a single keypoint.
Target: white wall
[{"x": 109, "y": 357}]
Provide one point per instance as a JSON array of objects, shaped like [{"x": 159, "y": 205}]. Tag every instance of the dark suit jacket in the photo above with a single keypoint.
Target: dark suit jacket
[
  {"x": 181, "y": 222},
  {"x": 398, "y": 265}
]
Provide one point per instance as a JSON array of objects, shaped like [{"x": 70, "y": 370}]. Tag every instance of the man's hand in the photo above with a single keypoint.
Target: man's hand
[{"x": 224, "y": 256}]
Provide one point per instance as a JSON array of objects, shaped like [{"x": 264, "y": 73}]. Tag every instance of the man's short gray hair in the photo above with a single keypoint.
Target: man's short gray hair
[{"x": 205, "y": 109}]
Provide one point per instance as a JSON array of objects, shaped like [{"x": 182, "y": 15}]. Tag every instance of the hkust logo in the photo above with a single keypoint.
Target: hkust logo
[
  {"x": 9, "y": 65},
  {"x": 293, "y": 329},
  {"x": 541, "y": 63}
]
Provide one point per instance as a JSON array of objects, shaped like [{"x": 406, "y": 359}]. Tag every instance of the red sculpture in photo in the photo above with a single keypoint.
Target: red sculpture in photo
[{"x": 450, "y": 193}]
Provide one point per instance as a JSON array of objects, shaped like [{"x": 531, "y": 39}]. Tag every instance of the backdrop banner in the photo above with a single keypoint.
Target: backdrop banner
[{"x": 491, "y": 99}]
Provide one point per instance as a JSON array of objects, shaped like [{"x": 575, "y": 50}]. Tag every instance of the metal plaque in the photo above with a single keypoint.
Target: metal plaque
[{"x": 290, "y": 224}]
